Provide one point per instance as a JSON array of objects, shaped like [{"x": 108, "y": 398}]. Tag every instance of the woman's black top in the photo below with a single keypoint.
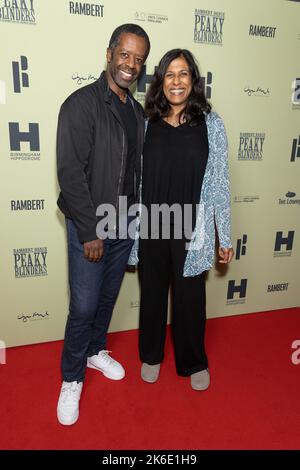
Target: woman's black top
[{"x": 174, "y": 162}]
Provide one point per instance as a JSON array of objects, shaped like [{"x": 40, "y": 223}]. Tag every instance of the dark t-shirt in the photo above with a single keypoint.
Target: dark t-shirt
[{"x": 128, "y": 118}]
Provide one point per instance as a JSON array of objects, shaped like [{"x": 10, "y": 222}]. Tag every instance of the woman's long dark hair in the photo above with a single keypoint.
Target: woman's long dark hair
[{"x": 156, "y": 104}]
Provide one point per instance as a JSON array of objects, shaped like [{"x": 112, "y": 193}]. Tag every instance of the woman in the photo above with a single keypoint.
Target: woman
[{"x": 184, "y": 162}]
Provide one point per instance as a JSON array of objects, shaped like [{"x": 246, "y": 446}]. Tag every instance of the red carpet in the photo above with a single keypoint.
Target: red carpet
[{"x": 253, "y": 401}]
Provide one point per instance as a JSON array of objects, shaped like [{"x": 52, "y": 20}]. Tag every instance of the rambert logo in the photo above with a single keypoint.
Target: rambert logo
[
  {"x": 262, "y": 31},
  {"x": 86, "y": 9},
  {"x": 21, "y": 205},
  {"x": 279, "y": 287}
]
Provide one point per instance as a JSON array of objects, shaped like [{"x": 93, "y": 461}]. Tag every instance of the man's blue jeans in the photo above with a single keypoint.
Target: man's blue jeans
[{"x": 94, "y": 288}]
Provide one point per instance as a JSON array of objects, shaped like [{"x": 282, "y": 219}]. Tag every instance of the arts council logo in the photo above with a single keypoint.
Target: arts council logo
[{"x": 150, "y": 17}]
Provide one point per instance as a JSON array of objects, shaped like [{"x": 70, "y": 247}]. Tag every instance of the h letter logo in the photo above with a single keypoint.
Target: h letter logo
[
  {"x": 288, "y": 241},
  {"x": 16, "y": 137},
  {"x": 241, "y": 289}
]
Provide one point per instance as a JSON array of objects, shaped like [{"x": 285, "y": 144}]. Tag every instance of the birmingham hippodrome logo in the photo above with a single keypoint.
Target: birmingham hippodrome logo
[{"x": 20, "y": 138}]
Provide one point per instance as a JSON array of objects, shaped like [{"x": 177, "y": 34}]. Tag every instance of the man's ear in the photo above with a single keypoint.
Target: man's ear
[{"x": 108, "y": 55}]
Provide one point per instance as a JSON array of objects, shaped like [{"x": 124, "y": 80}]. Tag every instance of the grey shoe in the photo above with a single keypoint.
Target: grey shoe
[
  {"x": 200, "y": 380},
  {"x": 150, "y": 373}
]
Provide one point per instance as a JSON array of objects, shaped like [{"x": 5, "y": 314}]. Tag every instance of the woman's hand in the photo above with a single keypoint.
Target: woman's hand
[{"x": 226, "y": 255}]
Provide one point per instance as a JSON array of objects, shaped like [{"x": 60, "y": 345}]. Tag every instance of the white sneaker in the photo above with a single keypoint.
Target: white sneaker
[
  {"x": 107, "y": 365},
  {"x": 68, "y": 402}
]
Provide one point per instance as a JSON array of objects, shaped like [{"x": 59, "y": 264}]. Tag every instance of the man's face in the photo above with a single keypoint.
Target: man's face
[{"x": 125, "y": 61}]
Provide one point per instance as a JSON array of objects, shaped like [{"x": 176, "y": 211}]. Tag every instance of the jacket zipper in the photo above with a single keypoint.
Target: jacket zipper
[{"x": 120, "y": 177}]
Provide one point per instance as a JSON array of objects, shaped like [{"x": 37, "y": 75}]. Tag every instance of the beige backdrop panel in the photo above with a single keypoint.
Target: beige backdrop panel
[{"x": 66, "y": 51}]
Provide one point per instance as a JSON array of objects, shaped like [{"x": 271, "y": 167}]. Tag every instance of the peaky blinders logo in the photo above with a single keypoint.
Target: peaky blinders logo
[
  {"x": 251, "y": 146},
  {"x": 30, "y": 262},
  {"x": 17, "y": 11},
  {"x": 208, "y": 27}
]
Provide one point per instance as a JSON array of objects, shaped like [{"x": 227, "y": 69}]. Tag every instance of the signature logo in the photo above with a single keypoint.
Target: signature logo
[
  {"x": 82, "y": 79},
  {"x": 34, "y": 316},
  {"x": 256, "y": 91}
]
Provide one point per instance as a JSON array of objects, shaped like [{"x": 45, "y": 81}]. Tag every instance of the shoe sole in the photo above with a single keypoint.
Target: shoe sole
[
  {"x": 67, "y": 423},
  {"x": 151, "y": 378},
  {"x": 91, "y": 366},
  {"x": 149, "y": 381},
  {"x": 202, "y": 389}
]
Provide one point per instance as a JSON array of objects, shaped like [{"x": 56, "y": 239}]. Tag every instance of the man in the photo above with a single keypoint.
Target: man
[{"x": 99, "y": 144}]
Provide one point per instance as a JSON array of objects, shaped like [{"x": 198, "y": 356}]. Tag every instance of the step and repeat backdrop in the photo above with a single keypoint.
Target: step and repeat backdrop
[{"x": 248, "y": 53}]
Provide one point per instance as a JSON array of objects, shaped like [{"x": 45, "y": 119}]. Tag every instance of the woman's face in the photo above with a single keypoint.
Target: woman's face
[{"x": 177, "y": 84}]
